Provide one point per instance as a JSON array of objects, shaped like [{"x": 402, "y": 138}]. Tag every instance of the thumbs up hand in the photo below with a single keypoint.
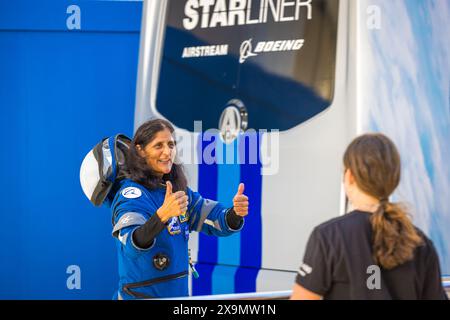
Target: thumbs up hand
[
  {"x": 240, "y": 202},
  {"x": 174, "y": 204}
]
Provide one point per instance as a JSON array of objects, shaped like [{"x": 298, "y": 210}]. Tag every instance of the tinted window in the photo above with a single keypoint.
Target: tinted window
[{"x": 278, "y": 58}]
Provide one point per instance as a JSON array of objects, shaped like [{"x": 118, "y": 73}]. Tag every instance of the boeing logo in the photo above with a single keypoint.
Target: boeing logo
[{"x": 246, "y": 49}]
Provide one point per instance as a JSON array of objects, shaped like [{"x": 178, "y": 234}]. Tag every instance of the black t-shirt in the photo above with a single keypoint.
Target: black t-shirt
[{"x": 338, "y": 264}]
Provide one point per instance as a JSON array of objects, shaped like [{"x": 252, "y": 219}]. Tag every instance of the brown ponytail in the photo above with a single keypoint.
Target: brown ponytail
[{"x": 374, "y": 161}]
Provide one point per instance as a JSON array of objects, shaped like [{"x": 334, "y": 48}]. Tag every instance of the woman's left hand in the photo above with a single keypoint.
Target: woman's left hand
[{"x": 240, "y": 202}]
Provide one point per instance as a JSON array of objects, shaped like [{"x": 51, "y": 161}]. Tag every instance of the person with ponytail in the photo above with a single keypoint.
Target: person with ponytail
[
  {"x": 375, "y": 251},
  {"x": 154, "y": 212}
]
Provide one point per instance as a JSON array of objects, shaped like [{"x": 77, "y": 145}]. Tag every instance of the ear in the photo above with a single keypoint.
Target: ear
[
  {"x": 348, "y": 177},
  {"x": 140, "y": 151}
]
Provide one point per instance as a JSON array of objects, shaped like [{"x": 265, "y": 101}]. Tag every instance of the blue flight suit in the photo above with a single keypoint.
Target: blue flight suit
[{"x": 162, "y": 269}]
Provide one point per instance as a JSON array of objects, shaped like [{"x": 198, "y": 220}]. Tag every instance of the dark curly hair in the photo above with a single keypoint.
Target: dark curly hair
[{"x": 137, "y": 168}]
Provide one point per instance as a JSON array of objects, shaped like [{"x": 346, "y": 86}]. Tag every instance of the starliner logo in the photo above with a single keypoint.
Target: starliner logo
[
  {"x": 228, "y": 13},
  {"x": 246, "y": 50}
]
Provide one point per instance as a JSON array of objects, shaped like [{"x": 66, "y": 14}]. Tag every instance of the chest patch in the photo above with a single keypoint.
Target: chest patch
[
  {"x": 184, "y": 217},
  {"x": 173, "y": 226}
]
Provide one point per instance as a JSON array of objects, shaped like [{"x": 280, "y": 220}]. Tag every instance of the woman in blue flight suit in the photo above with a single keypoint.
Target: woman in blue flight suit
[{"x": 153, "y": 213}]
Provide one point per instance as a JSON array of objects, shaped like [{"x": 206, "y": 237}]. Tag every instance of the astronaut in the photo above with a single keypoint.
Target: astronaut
[{"x": 153, "y": 210}]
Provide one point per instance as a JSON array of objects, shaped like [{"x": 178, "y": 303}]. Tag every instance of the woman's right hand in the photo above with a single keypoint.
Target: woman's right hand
[{"x": 174, "y": 204}]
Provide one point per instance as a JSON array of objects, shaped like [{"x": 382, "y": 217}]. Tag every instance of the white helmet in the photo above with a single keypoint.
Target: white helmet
[{"x": 102, "y": 166}]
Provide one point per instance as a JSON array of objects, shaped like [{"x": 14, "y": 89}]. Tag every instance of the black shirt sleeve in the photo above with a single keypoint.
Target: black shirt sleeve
[
  {"x": 234, "y": 221},
  {"x": 314, "y": 274},
  {"x": 144, "y": 235},
  {"x": 433, "y": 289}
]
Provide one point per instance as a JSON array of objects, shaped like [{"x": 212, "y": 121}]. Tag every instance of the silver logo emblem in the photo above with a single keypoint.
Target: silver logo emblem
[
  {"x": 232, "y": 121},
  {"x": 246, "y": 51}
]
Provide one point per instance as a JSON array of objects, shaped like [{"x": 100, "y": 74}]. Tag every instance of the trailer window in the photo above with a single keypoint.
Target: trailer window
[{"x": 277, "y": 56}]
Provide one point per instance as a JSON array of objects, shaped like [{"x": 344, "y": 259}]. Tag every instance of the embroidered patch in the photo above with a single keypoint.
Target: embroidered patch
[
  {"x": 131, "y": 193},
  {"x": 174, "y": 227},
  {"x": 184, "y": 217}
]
